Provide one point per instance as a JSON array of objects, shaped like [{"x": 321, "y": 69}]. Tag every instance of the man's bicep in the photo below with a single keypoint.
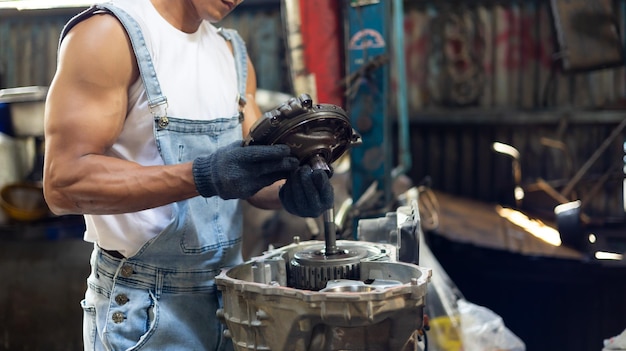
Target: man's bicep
[{"x": 88, "y": 96}]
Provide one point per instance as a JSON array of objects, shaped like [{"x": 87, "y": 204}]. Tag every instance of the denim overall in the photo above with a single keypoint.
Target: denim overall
[{"x": 165, "y": 297}]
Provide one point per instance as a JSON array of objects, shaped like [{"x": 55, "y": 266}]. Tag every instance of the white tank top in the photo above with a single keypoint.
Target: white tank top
[{"x": 197, "y": 74}]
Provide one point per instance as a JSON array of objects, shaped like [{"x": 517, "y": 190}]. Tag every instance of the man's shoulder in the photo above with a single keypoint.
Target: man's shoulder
[{"x": 103, "y": 26}]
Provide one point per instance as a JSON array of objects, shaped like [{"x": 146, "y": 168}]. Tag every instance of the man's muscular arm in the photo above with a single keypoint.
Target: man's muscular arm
[{"x": 85, "y": 111}]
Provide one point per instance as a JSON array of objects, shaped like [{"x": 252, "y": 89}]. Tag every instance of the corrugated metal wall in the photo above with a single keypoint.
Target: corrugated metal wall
[
  {"x": 495, "y": 54},
  {"x": 261, "y": 28},
  {"x": 488, "y": 54},
  {"x": 29, "y": 39},
  {"x": 28, "y": 44},
  {"x": 459, "y": 159},
  {"x": 476, "y": 74},
  {"x": 483, "y": 71}
]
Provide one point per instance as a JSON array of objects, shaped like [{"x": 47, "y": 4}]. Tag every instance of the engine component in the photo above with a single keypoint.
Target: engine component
[
  {"x": 400, "y": 228},
  {"x": 379, "y": 308},
  {"x": 311, "y": 269},
  {"x": 318, "y": 134}
]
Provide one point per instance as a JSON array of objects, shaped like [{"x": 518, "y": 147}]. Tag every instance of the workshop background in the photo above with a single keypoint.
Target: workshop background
[{"x": 477, "y": 72}]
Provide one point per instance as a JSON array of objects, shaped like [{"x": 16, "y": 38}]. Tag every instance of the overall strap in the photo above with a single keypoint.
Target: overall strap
[
  {"x": 144, "y": 60},
  {"x": 241, "y": 61}
]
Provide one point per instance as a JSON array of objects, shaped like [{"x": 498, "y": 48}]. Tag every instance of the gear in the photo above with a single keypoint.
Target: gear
[{"x": 312, "y": 269}]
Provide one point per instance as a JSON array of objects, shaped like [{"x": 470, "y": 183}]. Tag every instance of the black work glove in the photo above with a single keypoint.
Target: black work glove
[
  {"x": 307, "y": 192},
  {"x": 238, "y": 172}
]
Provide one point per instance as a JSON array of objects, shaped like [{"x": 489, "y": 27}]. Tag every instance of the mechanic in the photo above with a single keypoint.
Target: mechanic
[{"x": 144, "y": 124}]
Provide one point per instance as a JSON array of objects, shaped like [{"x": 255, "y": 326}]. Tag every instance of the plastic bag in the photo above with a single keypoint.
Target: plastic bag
[
  {"x": 456, "y": 324},
  {"x": 615, "y": 343},
  {"x": 484, "y": 330}
]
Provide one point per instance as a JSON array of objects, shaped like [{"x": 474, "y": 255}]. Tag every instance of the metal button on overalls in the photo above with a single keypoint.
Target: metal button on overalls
[
  {"x": 121, "y": 299},
  {"x": 126, "y": 271},
  {"x": 163, "y": 122},
  {"x": 118, "y": 317}
]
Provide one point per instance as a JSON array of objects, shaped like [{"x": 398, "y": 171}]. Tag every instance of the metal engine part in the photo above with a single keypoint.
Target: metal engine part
[
  {"x": 380, "y": 308},
  {"x": 400, "y": 228},
  {"x": 318, "y": 134},
  {"x": 321, "y": 296},
  {"x": 311, "y": 269}
]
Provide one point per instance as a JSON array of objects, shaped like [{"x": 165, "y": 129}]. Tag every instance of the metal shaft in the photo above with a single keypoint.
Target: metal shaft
[
  {"x": 330, "y": 229},
  {"x": 330, "y": 232}
]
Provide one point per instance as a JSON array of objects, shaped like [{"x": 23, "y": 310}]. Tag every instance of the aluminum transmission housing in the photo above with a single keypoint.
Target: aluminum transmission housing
[{"x": 380, "y": 310}]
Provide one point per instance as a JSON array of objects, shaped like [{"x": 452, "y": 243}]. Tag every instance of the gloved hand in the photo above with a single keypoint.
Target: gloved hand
[
  {"x": 238, "y": 172},
  {"x": 307, "y": 192}
]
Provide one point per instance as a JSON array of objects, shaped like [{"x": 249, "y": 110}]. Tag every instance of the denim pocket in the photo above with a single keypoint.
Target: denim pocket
[
  {"x": 211, "y": 225},
  {"x": 89, "y": 326},
  {"x": 131, "y": 319}
]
